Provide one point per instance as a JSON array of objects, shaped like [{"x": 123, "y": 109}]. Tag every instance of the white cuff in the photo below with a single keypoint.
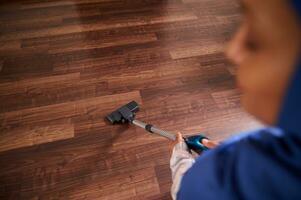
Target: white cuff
[{"x": 181, "y": 160}]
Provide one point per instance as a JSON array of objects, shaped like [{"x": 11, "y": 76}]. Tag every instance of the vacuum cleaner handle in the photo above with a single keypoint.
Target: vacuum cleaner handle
[{"x": 193, "y": 142}]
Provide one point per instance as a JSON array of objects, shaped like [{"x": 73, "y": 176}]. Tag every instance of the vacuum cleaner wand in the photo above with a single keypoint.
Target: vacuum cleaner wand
[
  {"x": 127, "y": 113},
  {"x": 152, "y": 129}
]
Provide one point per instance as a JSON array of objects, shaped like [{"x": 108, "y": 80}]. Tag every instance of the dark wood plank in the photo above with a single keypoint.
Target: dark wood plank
[
  {"x": 90, "y": 107},
  {"x": 28, "y": 136},
  {"x": 99, "y": 25}
]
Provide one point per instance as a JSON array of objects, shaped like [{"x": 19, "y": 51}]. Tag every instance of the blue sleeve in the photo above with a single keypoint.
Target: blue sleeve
[{"x": 262, "y": 165}]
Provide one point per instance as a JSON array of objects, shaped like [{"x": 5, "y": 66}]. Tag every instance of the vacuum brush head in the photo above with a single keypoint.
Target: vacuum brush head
[{"x": 124, "y": 114}]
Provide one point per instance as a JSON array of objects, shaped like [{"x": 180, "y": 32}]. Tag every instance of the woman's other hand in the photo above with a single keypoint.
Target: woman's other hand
[{"x": 210, "y": 143}]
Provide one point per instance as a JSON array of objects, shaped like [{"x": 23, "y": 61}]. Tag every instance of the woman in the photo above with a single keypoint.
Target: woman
[{"x": 266, "y": 163}]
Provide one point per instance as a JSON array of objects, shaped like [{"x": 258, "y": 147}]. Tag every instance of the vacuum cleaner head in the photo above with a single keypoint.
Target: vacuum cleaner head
[{"x": 124, "y": 114}]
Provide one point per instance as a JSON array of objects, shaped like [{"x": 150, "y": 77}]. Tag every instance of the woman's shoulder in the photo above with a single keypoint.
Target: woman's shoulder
[{"x": 250, "y": 166}]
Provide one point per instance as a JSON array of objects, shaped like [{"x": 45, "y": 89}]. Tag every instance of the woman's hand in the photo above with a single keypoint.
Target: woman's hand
[
  {"x": 209, "y": 143},
  {"x": 179, "y": 138}
]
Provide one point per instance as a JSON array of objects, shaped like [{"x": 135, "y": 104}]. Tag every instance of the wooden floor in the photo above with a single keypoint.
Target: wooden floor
[{"x": 64, "y": 65}]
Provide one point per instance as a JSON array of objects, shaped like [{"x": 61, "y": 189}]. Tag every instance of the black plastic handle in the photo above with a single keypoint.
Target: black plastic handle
[{"x": 195, "y": 143}]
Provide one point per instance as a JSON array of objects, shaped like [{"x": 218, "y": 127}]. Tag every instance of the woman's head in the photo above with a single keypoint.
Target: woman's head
[{"x": 265, "y": 49}]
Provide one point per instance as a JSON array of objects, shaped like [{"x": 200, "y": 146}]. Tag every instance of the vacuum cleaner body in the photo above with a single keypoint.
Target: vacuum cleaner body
[{"x": 127, "y": 113}]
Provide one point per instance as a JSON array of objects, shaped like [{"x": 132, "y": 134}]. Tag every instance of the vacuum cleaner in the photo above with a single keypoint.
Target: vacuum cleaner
[{"x": 127, "y": 113}]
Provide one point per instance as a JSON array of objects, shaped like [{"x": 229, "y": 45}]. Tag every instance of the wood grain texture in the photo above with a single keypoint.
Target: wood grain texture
[
  {"x": 88, "y": 107},
  {"x": 28, "y": 136},
  {"x": 64, "y": 65}
]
